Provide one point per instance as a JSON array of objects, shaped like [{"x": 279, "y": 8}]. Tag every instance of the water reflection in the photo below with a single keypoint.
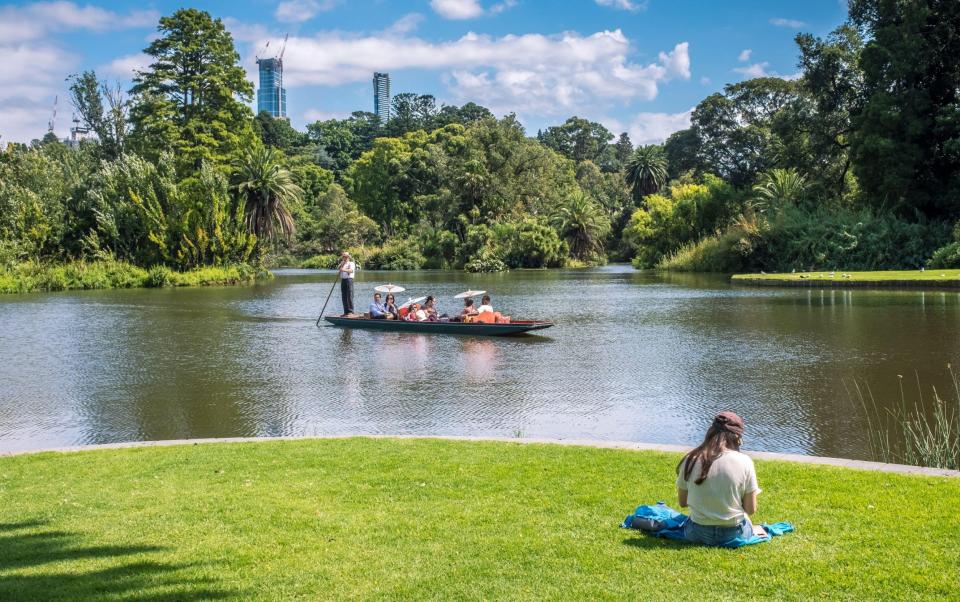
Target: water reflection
[{"x": 635, "y": 355}]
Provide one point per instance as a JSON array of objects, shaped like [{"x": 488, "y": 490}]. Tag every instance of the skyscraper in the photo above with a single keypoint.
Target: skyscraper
[
  {"x": 381, "y": 96},
  {"x": 272, "y": 96}
]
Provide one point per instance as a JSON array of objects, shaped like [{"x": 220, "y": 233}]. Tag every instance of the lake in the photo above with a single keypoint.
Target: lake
[{"x": 634, "y": 356}]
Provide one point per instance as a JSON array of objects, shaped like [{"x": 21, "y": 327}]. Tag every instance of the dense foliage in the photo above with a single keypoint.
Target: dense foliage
[{"x": 855, "y": 164}]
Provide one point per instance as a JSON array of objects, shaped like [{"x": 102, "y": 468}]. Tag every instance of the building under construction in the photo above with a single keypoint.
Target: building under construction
[{"x": 271, "y": 95}]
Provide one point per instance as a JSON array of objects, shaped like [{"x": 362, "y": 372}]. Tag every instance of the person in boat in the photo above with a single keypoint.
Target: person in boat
[
  {"x": 430, "y": 308},
  {"x": 378, "y": 310},
  {"x": 391, "y": 306},
  {"x": 485, "y": 305},
  {"x": 347, "y": 269},
  {"x": 416, "y": 314},
  {"x": 719, "y": 484},
  {"x": 468, "y": 308}
]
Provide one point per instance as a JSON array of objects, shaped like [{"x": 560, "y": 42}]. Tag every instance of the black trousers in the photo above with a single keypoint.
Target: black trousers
[{"x": 346, "y": 294}]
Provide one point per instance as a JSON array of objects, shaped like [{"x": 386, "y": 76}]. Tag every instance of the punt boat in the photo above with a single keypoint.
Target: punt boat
[{"x": 474, "y": 328}]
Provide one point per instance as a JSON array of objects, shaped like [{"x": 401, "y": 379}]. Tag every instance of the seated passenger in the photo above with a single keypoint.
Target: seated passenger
[
  {"x": 391, "y": 306},
  {"x": 468, "y": 308},
  {"x": 429, "y": 308},
  {"x": 416, "y": 314},
  {"x": 378, "y": 311},
  {"x": 485, "y": 305}
]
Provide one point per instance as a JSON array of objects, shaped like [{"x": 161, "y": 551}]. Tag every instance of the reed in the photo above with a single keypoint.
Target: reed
[{"x": 925, "y": 432}]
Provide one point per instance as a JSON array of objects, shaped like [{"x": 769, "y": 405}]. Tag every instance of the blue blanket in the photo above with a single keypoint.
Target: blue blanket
[{"x": 663, "y": 521}]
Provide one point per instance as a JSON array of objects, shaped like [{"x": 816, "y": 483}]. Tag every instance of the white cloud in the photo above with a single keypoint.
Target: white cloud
[
  {"x": 791, "y": 23},
  {"x": 406, "y": 23},
  {"x": 653, "y": 128},
  {"x": 34, "y": 21},
  {"x": 498, "y": 8},
  {"x": 705, "y": 81},
  {"x": 125, "y": 66},
  {"x": 630, "y": 5},
  {"x": 546, "y": 74},
  {"x": 755, "y": 70},
  {"x": 744, "y": 55},
  {"x": 298, "y": 11},
  {"x": 457, "y": 9}
]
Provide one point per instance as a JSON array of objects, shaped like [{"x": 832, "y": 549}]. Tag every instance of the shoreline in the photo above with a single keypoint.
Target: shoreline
[
  {"x": 908, "y": 279},
  {"x": 592, "y": 443}
]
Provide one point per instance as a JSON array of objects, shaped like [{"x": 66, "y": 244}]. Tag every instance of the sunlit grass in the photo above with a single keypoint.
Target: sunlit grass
[
  {"x": 839, "y": 276},
  {"x": 428, "y": 519}
]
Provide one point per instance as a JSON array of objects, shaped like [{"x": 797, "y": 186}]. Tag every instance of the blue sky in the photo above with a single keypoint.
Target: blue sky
[{"x": 636, "y": 66}]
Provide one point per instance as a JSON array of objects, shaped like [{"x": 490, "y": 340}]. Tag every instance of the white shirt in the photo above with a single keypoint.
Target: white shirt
[
  {"x": 719, "y": 499},
  {"x": 348, "y": 269},
  {"x": 484, "y": 308}
]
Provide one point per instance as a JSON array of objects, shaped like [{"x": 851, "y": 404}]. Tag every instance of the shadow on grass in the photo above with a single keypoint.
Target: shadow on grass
[
  {"x": 649, "y": 542},
  {"x": 25, "y": 546}
]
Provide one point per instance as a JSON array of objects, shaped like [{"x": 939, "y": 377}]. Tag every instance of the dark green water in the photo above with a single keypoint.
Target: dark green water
[{"x": 634, "y": 356}]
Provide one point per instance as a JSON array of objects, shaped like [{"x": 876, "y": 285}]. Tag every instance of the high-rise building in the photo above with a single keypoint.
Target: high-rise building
[
  {"x": 381, "y": 96},
  {"x": 272, "y": 96}
]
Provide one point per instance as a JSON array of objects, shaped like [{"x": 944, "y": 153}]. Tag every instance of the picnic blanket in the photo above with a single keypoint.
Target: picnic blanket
[{"x": 661, "y": 520}]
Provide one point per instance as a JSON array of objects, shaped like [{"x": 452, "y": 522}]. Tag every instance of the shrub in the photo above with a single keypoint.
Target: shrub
[
  {"x": 947, "y": 256},
  {"x": 328, "y": 261},
  {"x": 486, "y": 261},
  {"x": 401, "y": 254},
  {"x": 530, "y": 244}
]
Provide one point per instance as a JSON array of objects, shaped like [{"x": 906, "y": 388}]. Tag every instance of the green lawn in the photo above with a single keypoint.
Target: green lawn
[
  {"x": 430, "y": 519},
  {"x": 890, "y": 278}
]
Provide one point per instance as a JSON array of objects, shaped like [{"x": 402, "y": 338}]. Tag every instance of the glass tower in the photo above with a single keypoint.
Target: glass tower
[
  {"x": 381, "y": 96},
  {"x": 272, "y": 96}
]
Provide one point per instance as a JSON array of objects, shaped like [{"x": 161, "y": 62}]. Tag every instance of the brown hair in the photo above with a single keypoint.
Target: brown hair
[{"x": 724, "y": 434}]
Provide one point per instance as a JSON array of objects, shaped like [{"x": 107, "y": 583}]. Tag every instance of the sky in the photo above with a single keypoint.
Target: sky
[{"x": 638, "y": 66}]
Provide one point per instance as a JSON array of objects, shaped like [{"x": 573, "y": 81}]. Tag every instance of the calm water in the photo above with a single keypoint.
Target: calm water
[{"x": 633, "y": 356}]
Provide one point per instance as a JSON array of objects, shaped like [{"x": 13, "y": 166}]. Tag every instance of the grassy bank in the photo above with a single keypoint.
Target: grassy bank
[
  {"x": 31, "y": 277},
  {"x": 933, "y": 278},
  {"x": 428, "y": 519}
]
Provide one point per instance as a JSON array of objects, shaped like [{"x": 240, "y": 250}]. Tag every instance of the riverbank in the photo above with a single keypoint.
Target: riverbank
[
  {"x": 84, "y": 275},
  {"x": 902, "y": 278},
  {"x": 419, "y": 518}
]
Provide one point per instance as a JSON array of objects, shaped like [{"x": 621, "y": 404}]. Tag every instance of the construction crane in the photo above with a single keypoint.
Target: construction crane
[
  {"x": 53, "y": 118},
  {"x": 283, "y": 48},
  {"x": 263, "y": 51}
]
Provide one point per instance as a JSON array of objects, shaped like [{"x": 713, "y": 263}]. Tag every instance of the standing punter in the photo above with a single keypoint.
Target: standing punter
[{"x": 347, "y": 269}]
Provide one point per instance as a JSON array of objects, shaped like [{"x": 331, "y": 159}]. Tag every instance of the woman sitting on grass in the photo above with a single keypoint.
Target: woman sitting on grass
[{"x": 719, "y": 484}]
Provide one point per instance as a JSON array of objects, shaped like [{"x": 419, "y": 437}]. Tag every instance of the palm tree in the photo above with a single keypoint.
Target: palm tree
[
  {"x": 582, "y": 223},
  {"x": 646, "y": 171},
  {"x": 777, "y": 187},
  {"x": 267, "y": 191}
]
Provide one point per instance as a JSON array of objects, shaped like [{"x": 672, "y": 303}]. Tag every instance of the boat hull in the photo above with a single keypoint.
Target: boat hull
[{"x": 490, "y": 330}]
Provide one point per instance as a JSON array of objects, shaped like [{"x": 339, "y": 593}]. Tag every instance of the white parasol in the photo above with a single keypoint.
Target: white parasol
[
  {"x": 412, "y": 301},
  {"x": 389, "y": 288},
  {"x": 466, "y": 294}
]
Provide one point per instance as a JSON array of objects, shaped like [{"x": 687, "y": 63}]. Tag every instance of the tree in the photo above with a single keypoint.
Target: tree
[
  {"x": 777, "y": 187},
  {"x": 410, "y": 112},
  {"x": 267, "y": 192},
  {"x": 278, "y": 133},
  {"x": 680, "y": 150},
  {"x": 646, "y": 171},
  {"x": 465, "y": 115},
  {"x": 905, "y": 143},
  {"x": 623, "y": 149},
  {"x": 191, "y": 99},
  {"x": 578, "y": 139},
  {"x": 582, "y": 223},
  {"x": 109, "y": 123}
]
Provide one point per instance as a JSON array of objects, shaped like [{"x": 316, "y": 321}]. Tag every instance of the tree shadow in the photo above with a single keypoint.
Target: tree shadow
[{"x": 121, "y": 571}]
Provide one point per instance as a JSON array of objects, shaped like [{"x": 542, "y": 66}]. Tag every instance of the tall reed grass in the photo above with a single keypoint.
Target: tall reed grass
[{"x": 924, "y": 432}]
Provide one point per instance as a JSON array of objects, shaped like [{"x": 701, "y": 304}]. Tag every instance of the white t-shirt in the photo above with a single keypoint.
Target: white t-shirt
[
  {"x": 484, "y": 308},
  {"x": 348, "y": 270},
  {"x": 719, "y": 499}
]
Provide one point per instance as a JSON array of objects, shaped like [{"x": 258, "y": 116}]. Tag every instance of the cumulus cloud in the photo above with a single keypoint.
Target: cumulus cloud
[
  {"x": 125, "y": 66},
  {"x": 405, "y": 24},
  {"x": 547, "y": 74},
  {"x": 457, "y": 9},
  {"x": 791, "y": 23},
  {"x": 744, "y": 55},
  {"x": 35, "y": 66},
  {"x": 630, "y": 5},
  {"x": 298, "y": 11},
  {"x": 653, "y": 128},
  {"x": 755, "y": 70}
]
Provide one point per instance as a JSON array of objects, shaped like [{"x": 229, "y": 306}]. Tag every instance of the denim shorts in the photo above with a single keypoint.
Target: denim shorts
[{"x": 710, "y": 535}]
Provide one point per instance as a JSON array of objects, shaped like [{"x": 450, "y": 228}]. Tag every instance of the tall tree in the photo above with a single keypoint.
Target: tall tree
[
  {"x": 582, "y": 223},
  {"x": 102, "y": 109},
  {"x": 578, "y": 139},
  {"x": 905, "y": 143},
  {"x": 410, "y": 112},
  {"x": 278, "y": 133},
  {"x": 646, "y": 171},
  {"x": 623, "y": 148},
  {"x": 191, "y": 99}
]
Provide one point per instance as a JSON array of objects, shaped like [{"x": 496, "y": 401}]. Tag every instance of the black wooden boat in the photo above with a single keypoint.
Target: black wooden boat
[{"x": 474, "y": 328}]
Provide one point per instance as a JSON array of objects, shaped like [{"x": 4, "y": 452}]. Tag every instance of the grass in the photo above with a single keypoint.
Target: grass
[
  {"x": 886, "y": 277},
  {"x": 428, "y": 519},
  {"x": 42, "y": 277}
]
